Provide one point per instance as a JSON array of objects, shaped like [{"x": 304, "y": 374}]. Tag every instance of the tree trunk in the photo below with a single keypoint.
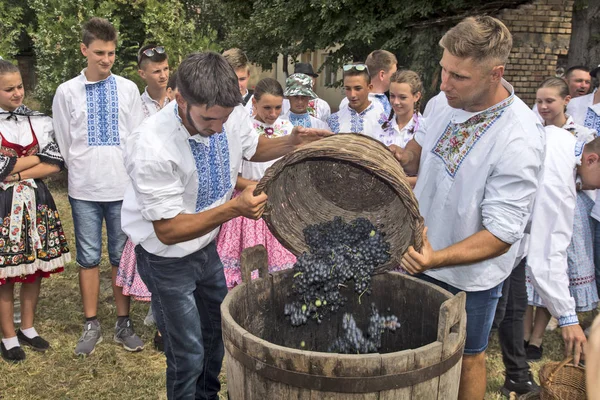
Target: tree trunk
[{"x": 584, "y": 48}]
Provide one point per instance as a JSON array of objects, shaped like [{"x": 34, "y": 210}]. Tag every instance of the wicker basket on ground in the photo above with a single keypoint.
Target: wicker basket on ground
[
  {"x": 347, "y": 175},
  {"x": 562, "y": 381}
]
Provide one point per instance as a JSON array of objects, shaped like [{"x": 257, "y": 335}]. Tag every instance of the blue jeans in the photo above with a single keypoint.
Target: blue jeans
[
  {"x": 87, "y": 219},
  {"x": 187, "y": 293},
  {"x": 481, "y": 308}
]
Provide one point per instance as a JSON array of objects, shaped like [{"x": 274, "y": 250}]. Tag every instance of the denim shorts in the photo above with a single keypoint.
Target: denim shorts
[
  {"x": 87, "y": 218},
  {"x": 481, "y": 309}
]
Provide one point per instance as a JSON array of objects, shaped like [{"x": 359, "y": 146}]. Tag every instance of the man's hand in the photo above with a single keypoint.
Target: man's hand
[
  {"x": 401, "y": 155},
  {"x": 301, "y": 136},
  {"x": 414, "y": 262},
  {"x": 575, "y": 341},
  {"x": 251, "y": 206}
]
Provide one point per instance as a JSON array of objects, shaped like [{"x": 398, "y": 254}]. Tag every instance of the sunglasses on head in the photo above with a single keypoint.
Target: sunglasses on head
[
  {"x": 358, "y": 67},
  {"x": 152, "y": 51}
]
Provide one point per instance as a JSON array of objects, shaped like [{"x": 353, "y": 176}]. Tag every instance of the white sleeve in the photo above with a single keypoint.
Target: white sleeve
[
  {"x": 323, "y": 109},
  {"x": 157, "y": 185},
  {"x": 551, "y": 231},
  {"x": 343, "y": 103},
  {"x": 510, "y": 191},
  {"x": 248, "y": 135},
  {"x": 419, "y": 135},
  {"x": 136, "y": 115},
  {"x": 61, "y": 115}
]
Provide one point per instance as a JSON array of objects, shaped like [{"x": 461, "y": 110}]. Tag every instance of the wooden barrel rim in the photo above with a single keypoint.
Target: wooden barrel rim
[{"x": 344, "y": 384}]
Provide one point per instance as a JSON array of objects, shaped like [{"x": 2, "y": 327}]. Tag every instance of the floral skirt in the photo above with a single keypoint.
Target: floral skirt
[
  {"x": 128, "y": 277},
  {"x": 240, "y": 233},
  {"x": 30, "y": 248},
  {"x": 580, "y": 259}
]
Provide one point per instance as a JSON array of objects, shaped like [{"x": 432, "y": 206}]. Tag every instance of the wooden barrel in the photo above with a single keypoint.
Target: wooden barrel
[{"x": 421, "y": 360}]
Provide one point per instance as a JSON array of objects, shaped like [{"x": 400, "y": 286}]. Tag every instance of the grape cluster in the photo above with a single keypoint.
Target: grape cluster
[
  {"x": 354, "y": 341},
  {"x": 341, "y": 254}
]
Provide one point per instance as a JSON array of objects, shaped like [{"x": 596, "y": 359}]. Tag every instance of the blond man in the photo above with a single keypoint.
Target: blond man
[{"x": 478, "y": 171}]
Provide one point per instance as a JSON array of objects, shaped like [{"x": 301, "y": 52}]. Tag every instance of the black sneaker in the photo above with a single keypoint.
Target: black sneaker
[
  {"x": 37, "y": 343},
  {"x": 159, "y": 344},
  {"x": 16, "y": 354},
  {"x": 519, "y": 388},
  {"x": 534, "y": 353}
]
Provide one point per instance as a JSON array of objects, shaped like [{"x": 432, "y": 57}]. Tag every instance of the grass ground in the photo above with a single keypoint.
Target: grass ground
[{"x": 111, "y": 372}]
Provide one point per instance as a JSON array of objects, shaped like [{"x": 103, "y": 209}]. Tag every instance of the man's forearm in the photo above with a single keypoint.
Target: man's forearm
[
  {"x": 413, "y": 158},
  {"x": 40, "y": 171},
  {"x": 476, "y": 248},
  {"x": 186, "y": 227},
  {"x": 271, "y": 149}
]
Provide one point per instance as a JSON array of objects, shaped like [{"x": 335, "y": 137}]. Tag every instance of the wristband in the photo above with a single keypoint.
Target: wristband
[{"x": 19, "y": 175}]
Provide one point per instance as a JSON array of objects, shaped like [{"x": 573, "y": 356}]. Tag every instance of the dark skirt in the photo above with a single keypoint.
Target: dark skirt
[{"x": 26, "y": 255}]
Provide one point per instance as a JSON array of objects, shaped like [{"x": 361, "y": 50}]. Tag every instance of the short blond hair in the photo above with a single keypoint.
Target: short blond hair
[
  {"x": 380, "y": 60},
  {"x": 236, "y": 58},
  {"x": 481, "y": 38}
]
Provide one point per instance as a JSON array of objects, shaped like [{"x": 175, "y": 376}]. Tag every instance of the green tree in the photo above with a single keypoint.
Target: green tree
[
  {"x": 11, "y": 27},
  {"x": 56, "y": 35},
  {"x": 411, "y": 30}
]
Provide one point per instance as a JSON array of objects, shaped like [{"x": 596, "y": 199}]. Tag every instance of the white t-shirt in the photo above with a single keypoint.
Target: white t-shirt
[
  {"x": 92, "y": 121},
  {"x": 173, "y": 173},
  {"x": 393, "y": 134},
  {"x": 479, "y": 171}
]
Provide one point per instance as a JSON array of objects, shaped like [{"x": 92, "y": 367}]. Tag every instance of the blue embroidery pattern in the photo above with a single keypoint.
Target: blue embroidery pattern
[
  {"x": 103, "y": 113},
  {"x": 334, "y": 123},
  {"x": 357, "y": 119},
  {"x": 387, "y": 107},
  {"x": 592, "y": 120},
  {"x": 456, "y": 142},
  {"x": 579, "y": 148},
  {"x": 300, "y": 120},
  {"x": 212, "y": 164}
]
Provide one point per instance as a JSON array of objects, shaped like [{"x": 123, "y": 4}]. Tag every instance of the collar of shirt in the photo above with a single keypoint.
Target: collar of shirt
[
  {"x": 146, "y": 97},
  {"x": 363, "y": 112},
  {"x": 461, "y": 116},
  {"x": 197, "y": 137},
  {"x": 85, "y": 79},
  {"x": 300, "y": 119}
]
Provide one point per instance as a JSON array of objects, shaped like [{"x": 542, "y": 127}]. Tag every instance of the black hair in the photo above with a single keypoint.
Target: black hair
[{"x": 208, "y": 79}]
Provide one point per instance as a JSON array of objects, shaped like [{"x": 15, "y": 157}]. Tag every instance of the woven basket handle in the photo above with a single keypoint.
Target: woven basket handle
[{"x": 561, "y": 365}]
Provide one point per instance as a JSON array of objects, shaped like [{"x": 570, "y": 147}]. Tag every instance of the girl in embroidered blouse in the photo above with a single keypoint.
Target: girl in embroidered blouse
[
  {"x": 32, "y": 241},
  {"x": 552, "y": 98},
  {"x": 240, "y": 233},
  {"x": 405, "y": 97},
  {"x": 404, "y": 120}
]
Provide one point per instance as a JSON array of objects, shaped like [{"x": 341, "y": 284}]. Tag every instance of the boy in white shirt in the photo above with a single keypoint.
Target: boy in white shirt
[
  {"x": 298, "y": 92},
  {"x": 153, "y": 68},
  {"x": 93, "y": 115},
  {"x": 382, "y": 65},
  {"x": 360, "y": 114}
]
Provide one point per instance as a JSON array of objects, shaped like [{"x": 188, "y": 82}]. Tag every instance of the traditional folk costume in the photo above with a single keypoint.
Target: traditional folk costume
[
  {"x": 393, "y": 134},
  {"x": 378, "y": 98},
  {"x": 369, "y": 122},
  {"x": 301, "y": 85},
  {"x": 580, "y": 229},
  {"x": 32, "y": 241},
  {"x": 127, "y": 276},
  {"x": 305, "y": 120},
  {"x": 241, "y": 232},
  {"x": 151, "y": 106}
]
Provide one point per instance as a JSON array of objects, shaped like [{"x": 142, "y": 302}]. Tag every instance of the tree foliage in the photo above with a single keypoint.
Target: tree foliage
[
  {"x": 411, "y": 30},
  {"x": 55, "y": 34}
]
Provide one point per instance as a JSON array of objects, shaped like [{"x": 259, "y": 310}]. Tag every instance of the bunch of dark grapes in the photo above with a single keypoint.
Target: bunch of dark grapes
[
  {"x": 340, "y": 254},
  {"x": 354, "y": 341}
]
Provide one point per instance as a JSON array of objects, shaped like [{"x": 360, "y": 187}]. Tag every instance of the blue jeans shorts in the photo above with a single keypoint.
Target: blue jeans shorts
[
  {"x": 481, "y": 309},
  {"x": 87, "y": 218}
]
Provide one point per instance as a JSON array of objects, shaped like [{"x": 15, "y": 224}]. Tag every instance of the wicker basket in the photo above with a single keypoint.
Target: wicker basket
[
  {"x": 347, "y": 175},
  {"x": 561, "y": 381}
]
